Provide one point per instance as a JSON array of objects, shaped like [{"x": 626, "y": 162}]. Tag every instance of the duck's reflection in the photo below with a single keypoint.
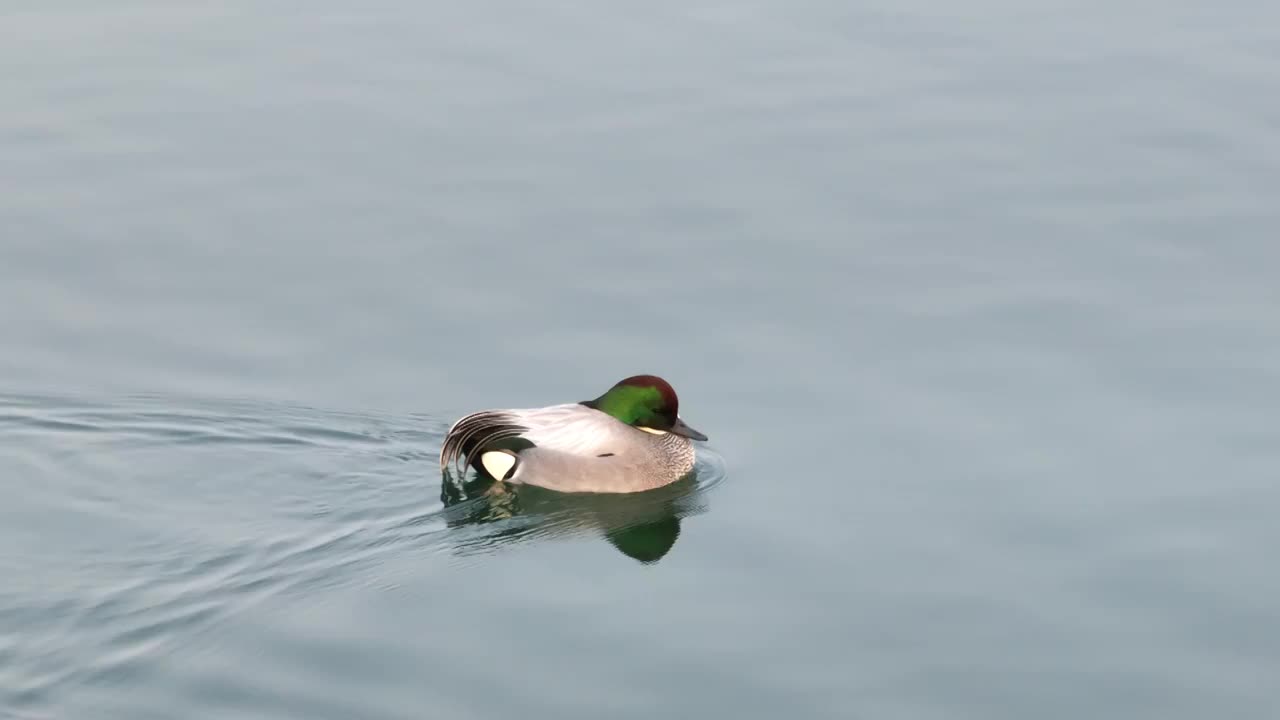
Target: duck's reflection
[{"x": 643, "y": 526}]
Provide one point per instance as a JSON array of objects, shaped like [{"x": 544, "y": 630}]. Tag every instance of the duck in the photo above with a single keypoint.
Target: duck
[{"x": 629, "y": 439}]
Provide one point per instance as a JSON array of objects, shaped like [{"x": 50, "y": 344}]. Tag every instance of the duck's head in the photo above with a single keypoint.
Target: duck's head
[{"x": 647, "y": 402}]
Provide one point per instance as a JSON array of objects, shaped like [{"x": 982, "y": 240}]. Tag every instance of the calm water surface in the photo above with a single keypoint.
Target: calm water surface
[{"x": 978, "y": 305}]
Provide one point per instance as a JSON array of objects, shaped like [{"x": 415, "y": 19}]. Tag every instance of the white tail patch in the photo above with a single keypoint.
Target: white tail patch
[
  {"x": 498, "y": 463},
  {"x": 654, "y": 431}
]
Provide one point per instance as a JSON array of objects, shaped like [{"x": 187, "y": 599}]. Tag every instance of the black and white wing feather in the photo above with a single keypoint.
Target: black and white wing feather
[
  {"x": 476, "y": 433},
  {"x": 569, "y": 430}
]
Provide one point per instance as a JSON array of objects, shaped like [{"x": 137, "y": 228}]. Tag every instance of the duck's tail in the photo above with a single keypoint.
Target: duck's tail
[{"x": 478, "y": 432}]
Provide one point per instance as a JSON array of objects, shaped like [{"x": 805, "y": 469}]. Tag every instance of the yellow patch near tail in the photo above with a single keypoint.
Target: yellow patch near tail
[
  {"x": 498, "y": 463},
  {"x": 654, "y": 431}
]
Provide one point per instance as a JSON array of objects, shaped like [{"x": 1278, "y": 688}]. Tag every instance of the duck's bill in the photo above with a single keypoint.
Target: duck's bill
[{"x": 680, "y": 428}]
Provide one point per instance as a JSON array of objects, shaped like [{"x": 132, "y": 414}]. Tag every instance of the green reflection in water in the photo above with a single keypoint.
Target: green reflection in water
[{"x": 643, "y": 526}]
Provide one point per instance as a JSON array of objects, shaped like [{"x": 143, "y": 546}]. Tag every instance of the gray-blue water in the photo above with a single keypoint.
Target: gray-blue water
[{"x": 979, "y": 305}]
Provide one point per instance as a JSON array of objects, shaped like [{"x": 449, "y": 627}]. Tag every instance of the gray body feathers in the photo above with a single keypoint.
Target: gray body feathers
[{"x": 570, "y": 448}]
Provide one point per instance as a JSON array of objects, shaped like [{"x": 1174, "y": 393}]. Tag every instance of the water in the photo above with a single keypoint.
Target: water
[{"x": 978, "y": 309}]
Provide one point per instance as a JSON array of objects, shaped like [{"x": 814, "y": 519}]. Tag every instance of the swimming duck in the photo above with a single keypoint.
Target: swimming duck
[{"x": 627, "y": 440}]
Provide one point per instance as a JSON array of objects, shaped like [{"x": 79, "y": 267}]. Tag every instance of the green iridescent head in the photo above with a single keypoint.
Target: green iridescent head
[{"x": 645, "y": 401}]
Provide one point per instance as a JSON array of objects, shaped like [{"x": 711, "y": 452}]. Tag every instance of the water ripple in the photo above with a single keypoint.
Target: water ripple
[{"x": 189, "y": 512}]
